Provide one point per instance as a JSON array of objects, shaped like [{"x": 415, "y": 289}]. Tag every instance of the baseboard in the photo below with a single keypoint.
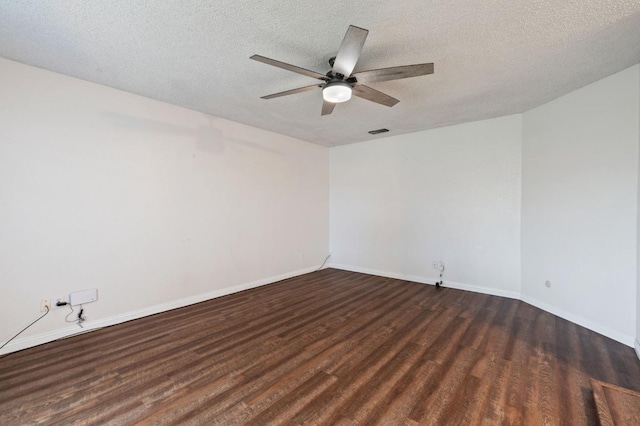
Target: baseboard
[
  {"x": 431, "y": 281},
  {"x": 619, "y": 337},
  {"x": 622, "y": 338},
  {"x": 72, "y": 330}
]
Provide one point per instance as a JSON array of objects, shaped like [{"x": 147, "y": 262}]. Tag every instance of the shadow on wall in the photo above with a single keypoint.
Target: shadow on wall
[{"x": 207, "y": 138}]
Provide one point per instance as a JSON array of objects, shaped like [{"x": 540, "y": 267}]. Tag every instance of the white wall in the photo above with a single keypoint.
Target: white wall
[
  {"x": 450, "y": 194},
  {"x": 158, "y": 206},
  {"x": 454, "y": 194},
  {"x": 579, "y": 205},
  {"x": 637, "y": 342},
  {"x": 154, "y": 205}
]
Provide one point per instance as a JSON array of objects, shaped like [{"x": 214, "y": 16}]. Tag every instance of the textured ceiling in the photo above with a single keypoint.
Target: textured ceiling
[{"x": 492, "y": 57}]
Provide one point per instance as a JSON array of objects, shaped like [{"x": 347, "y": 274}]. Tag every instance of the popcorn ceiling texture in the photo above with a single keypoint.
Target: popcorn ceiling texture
[{"x": 492, "y": 58}]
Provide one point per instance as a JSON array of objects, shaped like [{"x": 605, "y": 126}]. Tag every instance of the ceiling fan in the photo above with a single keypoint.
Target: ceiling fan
[{"x": 339, "y": 83}]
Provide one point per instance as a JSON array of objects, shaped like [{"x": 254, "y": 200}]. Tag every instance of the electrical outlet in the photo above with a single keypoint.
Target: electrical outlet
[
  {"x": 55, "y": 300},
  {"x": 44, "y": 304}
]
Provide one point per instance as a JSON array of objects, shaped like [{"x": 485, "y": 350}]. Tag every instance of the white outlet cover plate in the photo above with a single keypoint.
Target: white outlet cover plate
[{"x": 54, "y": 299}]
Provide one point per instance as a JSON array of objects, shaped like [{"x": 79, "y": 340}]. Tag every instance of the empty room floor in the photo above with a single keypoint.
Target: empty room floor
[{"x": 330, "y": 347}]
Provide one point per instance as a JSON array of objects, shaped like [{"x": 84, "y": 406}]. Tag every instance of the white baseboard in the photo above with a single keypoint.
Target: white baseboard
[
  {"x": 622, "y": 338},
  {"x": 612, "y": 334},
  {"x": 431, "y": 281},
  {"x": 72, "y": 330}
]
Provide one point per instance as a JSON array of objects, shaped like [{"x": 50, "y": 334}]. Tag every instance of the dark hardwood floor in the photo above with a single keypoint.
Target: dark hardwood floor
[{"x": 331, "y": 347}]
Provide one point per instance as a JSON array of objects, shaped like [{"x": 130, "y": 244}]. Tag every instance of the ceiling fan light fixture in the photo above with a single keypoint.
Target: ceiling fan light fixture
[{"x": 336, "y": 92}]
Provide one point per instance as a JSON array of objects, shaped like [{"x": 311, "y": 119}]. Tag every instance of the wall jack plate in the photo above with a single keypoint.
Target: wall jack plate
[{"x": 55, "y": 300}]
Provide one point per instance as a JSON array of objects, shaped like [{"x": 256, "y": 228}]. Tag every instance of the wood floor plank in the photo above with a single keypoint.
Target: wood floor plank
[{"x": 330, "y": 347}]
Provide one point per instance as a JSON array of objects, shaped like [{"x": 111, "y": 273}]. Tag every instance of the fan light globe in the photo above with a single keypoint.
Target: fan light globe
[{"x": 337, "y": 92}]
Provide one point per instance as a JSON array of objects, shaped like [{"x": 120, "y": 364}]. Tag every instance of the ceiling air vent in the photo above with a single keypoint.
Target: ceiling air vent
[{"x": 376, "y": 132}]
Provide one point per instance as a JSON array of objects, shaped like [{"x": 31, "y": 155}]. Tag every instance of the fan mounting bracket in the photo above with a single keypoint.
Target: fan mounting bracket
[{"x": 332, "y": 76}]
